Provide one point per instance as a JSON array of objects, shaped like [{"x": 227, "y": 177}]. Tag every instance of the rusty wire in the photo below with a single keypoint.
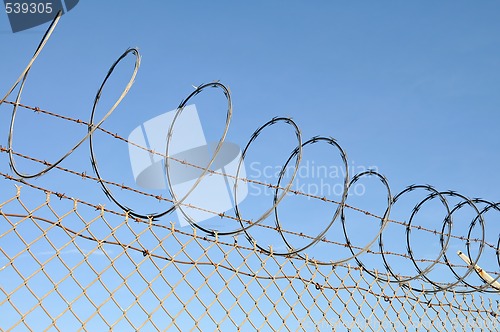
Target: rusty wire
[{"x": 296, "y": 154}]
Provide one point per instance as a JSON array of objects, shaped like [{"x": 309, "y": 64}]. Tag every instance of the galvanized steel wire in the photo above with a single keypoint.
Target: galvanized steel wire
[{"x": 281, "y": 190}]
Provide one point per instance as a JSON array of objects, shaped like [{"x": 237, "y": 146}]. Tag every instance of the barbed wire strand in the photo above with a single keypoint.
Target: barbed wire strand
[{"x": 176, "y": 203}]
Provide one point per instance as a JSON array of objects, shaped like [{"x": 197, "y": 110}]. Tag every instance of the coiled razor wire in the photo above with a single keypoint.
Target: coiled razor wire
[{"x": 296, "y": 156}]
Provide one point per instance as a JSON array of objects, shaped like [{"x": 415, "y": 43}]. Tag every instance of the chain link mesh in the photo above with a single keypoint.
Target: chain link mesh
[{"x": 68, "y": 264}]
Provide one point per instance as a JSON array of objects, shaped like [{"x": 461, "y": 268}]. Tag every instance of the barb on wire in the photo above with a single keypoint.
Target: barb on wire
[{"x": 280, "y": 191}]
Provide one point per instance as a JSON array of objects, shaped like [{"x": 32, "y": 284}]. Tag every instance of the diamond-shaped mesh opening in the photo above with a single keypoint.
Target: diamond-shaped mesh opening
[
  {"x": 38, "y": 318},
  {"x": 93, "y": 270}
]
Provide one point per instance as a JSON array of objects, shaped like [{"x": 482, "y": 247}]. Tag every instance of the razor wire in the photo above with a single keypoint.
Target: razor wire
[
  {"x": 280, "y": 191},
  {"x": 150, "y": 220}
]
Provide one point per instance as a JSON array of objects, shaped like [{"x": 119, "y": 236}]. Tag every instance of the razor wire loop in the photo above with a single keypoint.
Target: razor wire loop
[
  {"x": 22, "y": 79},
  {"x": 445, "y": 242},
  {"x": 479, "y": 217},
  {"x": 490, "y": 205},
  {"x": 383, "y": 222},
  {"x": 422, "y": 273},
  {"x": 92, "y": 127},
  {"x": 433, "y": 194},
  {"x": 286, "y": 189},
  {"x": 464, "y": 201},
  {"x": 177, "y": 202},
  {"x": 340, "y": 206},
  {"x": 447, "y": 223}
]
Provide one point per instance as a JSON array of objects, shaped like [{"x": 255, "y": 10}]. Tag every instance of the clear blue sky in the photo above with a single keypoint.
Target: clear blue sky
[{"x": 408, "y": 87}]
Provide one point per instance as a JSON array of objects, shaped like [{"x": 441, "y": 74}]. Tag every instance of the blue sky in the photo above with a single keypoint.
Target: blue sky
[{"x": 408, "y": 87}]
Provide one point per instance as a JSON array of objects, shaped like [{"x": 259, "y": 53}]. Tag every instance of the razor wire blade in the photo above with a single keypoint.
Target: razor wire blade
[{"x": 188, "y": 186}]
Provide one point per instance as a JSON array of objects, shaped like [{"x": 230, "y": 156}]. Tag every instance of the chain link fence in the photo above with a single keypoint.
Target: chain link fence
[{"x": 70, "y": 265}]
